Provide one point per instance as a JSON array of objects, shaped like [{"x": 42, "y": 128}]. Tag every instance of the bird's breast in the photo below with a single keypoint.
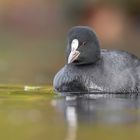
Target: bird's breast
[{"x": 70, "y": 80}]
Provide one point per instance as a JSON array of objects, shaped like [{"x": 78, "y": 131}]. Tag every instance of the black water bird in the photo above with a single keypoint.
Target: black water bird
[{"x": 91, "y": 69}]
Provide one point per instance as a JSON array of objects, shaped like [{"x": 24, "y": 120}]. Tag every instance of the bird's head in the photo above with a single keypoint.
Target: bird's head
[{"x": 82, "y": 46}]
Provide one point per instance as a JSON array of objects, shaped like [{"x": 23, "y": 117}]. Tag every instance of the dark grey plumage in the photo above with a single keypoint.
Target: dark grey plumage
[{"x": 95, "y": 69}]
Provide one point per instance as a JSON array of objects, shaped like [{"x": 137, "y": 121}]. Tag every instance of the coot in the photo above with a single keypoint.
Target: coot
[{"x": 91, "y": 69}]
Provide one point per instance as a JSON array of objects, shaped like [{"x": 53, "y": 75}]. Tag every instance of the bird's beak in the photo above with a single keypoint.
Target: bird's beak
[{"x": 73, "y": 56}]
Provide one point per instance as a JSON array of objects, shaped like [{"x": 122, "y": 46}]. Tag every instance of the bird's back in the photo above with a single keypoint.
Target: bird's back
[{"x": 121, "y": 70}]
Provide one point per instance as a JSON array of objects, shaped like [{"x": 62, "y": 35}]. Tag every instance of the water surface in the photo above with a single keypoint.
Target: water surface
[{"x": 41, "y": 115}]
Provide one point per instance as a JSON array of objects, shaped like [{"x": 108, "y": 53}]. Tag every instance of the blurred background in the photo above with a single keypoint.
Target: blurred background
[{"x": 33, "y": 34}]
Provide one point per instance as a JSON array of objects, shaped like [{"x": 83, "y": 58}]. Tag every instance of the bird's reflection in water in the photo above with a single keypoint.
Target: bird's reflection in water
[
  {"x": 97, "y": 109},
  {"x": 71, "y": 116}
]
